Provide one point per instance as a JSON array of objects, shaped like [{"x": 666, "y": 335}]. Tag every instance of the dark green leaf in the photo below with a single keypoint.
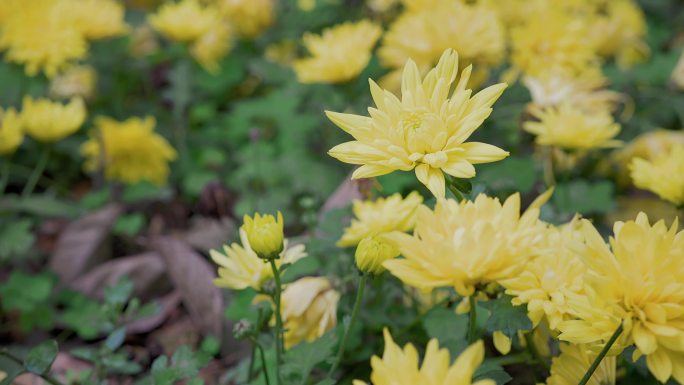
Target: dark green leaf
[
  {"x": 16, "y": 238},
  {"x": 582, "y": 197},
  {"x": 116, "y": 338},
  {"x": 40, "y": 358},
  {"x": 505, "y": 317},
  {"x": 301, "y": 359}
]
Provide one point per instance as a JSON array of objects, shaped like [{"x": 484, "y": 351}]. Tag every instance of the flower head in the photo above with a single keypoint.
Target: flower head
[
  {"x": 249, "y": 17},
  {"x": 240, "y": 267},
  {"x": 309, "y": 309},
  {"x": 574, "y": 360},
  {"x": 571, "y": 127},
  {"x": 619, "y": 31},
  {"x": 372, "y": 252},
  {"x": 213, "y": 46},
  {"x": 467, "y": 244},
  {"x": 11, "y": 133},
  {"x": 48, "y": 121},
  {"x": 401, "y": 366},
  {"x": 426, "y": 130},
  {"x": 75, "y": 81},
  {"x": 265, "y": 234},
  {"x": 383, "y": 215},
  {"x": 339, "y": 54},
  {"x": 99, "y": 19},
  {"x": 184, "y": 21},
  {"x": 664, "y": 175}
]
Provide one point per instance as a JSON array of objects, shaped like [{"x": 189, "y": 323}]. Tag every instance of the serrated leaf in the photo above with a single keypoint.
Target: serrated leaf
[
  {"x": 40, "y": 358},
  {"x": 16, "y": 238},
  {"x": 445, "y": 325},
  {"x": 491, "y": 371},
  {"x": 301, "y": 359},
  {"x": 505, "y": 317}
]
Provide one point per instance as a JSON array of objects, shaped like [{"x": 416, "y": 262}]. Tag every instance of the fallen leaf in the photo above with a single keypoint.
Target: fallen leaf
[
  {"x": 346, "y": 192},
  {"x": 208, "y": 233}
]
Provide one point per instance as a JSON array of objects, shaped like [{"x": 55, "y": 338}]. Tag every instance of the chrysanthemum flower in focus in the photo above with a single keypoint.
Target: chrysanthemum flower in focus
[
  {"x": 265, "y": 234},
  {"x": 249, "y": 17},
  {"x": 664, "y": 174},
  {"x": 339, "y": 54},
  {"x": 48, "y": 121},
  {"x": 426, "y": 130},
  {"x": 574, "y": 360},
  {"x": 381, "y": 216},
  {"x": 11, "y": 133},
  {"x": 128, "y": 151},
  {"x": 75, "y": 81},
  {"x": 240, "y": 267},
  {"x": 467, "y": 244},
  {"x": 99, "y": 19},
  {"x": 402, "y": 366},
  {"x": 211, "y": 47},
  {"x": 309, "y": 308},
  {"x": 184, "y": 21},
  {"x": 570, "y": 127},
  {"x": 641, "y": 274}
]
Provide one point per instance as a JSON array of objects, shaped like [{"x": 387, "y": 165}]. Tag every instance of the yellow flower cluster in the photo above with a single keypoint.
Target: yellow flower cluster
[
  {"x": 11, "y": 131},
  {"x": 128, "y": 151},
  {"x": 574, "y": 360},
  {"x": 664, "y": 174},
  {"x": 48, "y": 121},
  {"x": 309, "y": 309},
  {"x": 47, "y": 35},
  {"x": 250, "y": 18}
]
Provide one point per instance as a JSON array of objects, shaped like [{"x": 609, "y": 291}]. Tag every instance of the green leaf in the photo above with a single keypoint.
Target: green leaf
[
  {"x": 16, "y": 238},
  {"x": 129, "y": 224},
  {"x": 505, "y": 317},
  {"x": 39, "y": 205},
  {"x": 240, "y": 306},
  {"x": 25, "y": 292},
  {"x": 301, "y": 359},
  {"x": 580, "y": 196},
  {"x": 119, "y": 293},
  {"x": 492, "y": 371},
  {"x": 445, "y": 324},
  {"x": 116, "y": 338},
  {"x": 513, "y": 174},
  {"x": 40, "y": 358}
]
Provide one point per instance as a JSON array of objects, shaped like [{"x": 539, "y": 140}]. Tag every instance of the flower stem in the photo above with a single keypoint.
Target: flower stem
[
  {"x": 529, "y": 339},
  {"x": 599, "y": 358},
  {"x": 252, "y": 358},
  {"x": 37, "y": 172},
  {"x": 350, "y": 325},
  {"x": 264, "y": 368},
  {"x": 547, "y": 162},
  {"x": 279, "y": 319},
  {"x": 472, "y": 322}
]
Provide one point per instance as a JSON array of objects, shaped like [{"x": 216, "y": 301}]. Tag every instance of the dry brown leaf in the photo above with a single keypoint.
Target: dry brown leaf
[
  {"x": 343, "y": 196},
  {"x": 193, "y": 277},
  {"x": 78, "y": 245},
  {"x": 208, "y": 233}
]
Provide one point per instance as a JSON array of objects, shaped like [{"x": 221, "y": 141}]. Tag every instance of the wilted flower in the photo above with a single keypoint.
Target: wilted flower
[
  {"x": 75, "y": 81},
  {"x": 426, "y": 130},
  {"x": 372, "y": 252},
  {"x": 11, "y": 133},
  {"x": 339, "y": 54},
  {"x": 98, "y": 19},
  {"x": 249, "y": 17},
  {"x": 574, "y": 360},
  {"x": 401, "y": 366},
  {"x": 48, "y": 121},
  {"x": 184, "y": 21},
  {"x": 570, "y": 127},
  {"x": 381, "y": 216},
  {"x": 213, "y": 46},
  {"x": 128, "y": 151},
  {"x": 309, "y": 309},
  {"x": 265, "y": 234},
  {"x": 240, "y": 267},
  {"x": 664, "y": 175}
]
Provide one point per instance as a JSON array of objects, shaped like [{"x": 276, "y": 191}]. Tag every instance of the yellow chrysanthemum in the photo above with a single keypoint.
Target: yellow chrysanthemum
[
  {"x": 184, "y": 21},
  {"x": 143, "y": 41},
  {"x": 380, "y": 6},
  {"x": 401, "y": 366},
  {"x": 309, "y": 309},
  {"x": 619, "y": 31},
  {"x": 646, "y": 146},
  {"x": 48, "y": 121},
  {"x": 574, "y": 360},
  {"x": 265, "y": 234},
  {"x": 11, "y": 132},
  {"x": 426, "y": 130},
  {"x": 422, "y": 35},
  {"x": 467, "y": 244},
  {"x": 249, "y": 17},
  {"x": 75, "y": 81},
  {"x": 211, "y": 47},
  {"x": 641, "y": 274},
  {"x": 381, "y": 216},
  {"x": 664, "y": 175},
  {"x": 372, "y": 252},
  {"x": 128, "y": 151},
  {"x": 41, "y": 35},
  {"x": 570, "y": 127},
  {"x": 678, "y": 73},
  {"x": 98, "y": 19},
  {"x": 339, "y": 54},
  {"x": 240, "y": 267}
]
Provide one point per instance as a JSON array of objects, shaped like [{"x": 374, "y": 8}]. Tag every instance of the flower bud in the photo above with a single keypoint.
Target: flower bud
[
  {"x": 265, "y": 235},
  {"x": 243, "y": 329},
  {"x": 372, "y": 252}
]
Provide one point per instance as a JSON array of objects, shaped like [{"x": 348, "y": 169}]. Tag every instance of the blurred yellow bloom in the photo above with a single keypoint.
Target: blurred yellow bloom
[
  {"x": 239, "y": 267},
  {"x": 372, "y": 252},
  {"x": 641, "y": 274},
  {"x": 678, "y": 73},
  {"x": 99, "y": 19},
  {"x": 381, "y": 216},
  {"x": 184, "y": 21},
  {"x": 569, "y": 367},
  {"x": 48, "y": 121},
  {"x": 309, "y": 309},
  {"x": 467, "y": 244},
  {"x": 306, "y": 5},
  {"x": 211, "y": 47},
  {"x": 128, "y": 151},
  {"x": 664, "y": 175},
  {"x": 426, "y": 130},
  {"x": 339, "y": 54},
  {"x": 11, "y": 132},
  {"x": 283, "y": 52},
  {"x": 265, "y": 234},
  {"x": 143, "y": 41},
  {"x": 381, "y": 6},
  {"x": 249, "y": 17},
  {"x": 401, "y": 366},
  {"x": 646, "y": 146},
  {"x": 423, "y": 34},
  {"x": 75, "y": 81},
  {"x": 41, "y": 35},
  {"x": 619, "y": 31},
  {"x": 570, "y": 127}
]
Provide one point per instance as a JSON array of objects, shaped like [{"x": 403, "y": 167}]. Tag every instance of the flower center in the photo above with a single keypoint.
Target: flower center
[{"x": 411, "y": 120}]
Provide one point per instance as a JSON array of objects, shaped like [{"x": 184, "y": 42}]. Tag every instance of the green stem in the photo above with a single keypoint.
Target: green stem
[
  {"x": 529, "y": 338},
  {"x": 512, "y": 359},
  {"x": 264, "y": 368},
  {"x": 599, "y": 358},
  {"x": 250, "y": 368},
  {"x": 279, "y": 319},
  {"x": 4, "y": 175},
  {"x": 45, "y": 376},
  {"x": 350, "y": 325},
  {"x": 457, "y": 193},
  {"x": 472, "y": 321},
  {"x": 37, "y": 172},
  {"x": 547, "y": 163}
]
